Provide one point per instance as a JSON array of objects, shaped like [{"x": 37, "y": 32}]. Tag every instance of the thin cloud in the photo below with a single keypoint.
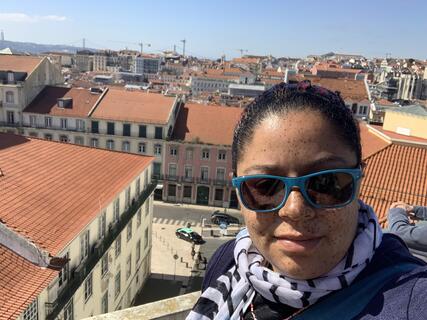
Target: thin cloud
[{"x": 25, "y": 18}]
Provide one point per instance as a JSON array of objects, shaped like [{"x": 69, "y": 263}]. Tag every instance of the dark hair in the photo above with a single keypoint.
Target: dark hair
[{"x": 284, "y": 98}]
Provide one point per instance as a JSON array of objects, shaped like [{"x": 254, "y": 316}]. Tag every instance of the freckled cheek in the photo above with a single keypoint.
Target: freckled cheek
[{"x": 258, "y": 226}]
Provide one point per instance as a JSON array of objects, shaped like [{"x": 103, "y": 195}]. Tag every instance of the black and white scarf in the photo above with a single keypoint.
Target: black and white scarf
[{"x": 234, "y": 290}]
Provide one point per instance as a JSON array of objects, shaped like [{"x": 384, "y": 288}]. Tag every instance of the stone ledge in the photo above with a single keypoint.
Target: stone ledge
[{"x": 176, "y": 308}]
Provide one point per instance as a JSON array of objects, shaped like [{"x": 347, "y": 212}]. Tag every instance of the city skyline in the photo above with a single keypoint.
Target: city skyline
[{"x": 219, "y": 27}]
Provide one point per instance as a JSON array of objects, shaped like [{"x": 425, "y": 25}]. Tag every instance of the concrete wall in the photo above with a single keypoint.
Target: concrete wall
[{"x": 407, "y": 124}]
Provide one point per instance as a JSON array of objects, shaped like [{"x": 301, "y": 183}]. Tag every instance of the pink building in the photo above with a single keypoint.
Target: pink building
[{"x": 198, "y": 157}]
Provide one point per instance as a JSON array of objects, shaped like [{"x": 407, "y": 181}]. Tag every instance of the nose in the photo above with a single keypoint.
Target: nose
[{"x": 296, "y": 207}]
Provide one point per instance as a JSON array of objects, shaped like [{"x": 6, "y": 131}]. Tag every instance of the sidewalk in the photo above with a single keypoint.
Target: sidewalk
[{"x": 197, "y": 207}]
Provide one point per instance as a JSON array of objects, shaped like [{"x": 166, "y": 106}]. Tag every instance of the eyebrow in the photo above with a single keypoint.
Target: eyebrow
[{"x": 310, "y": 164}]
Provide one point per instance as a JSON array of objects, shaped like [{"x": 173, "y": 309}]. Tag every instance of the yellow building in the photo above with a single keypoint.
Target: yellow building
[{"x": 409, "y": 120}]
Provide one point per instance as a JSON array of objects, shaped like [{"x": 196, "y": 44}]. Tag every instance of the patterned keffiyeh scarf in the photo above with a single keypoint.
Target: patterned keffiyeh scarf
[{"x": 234, "y": 290}]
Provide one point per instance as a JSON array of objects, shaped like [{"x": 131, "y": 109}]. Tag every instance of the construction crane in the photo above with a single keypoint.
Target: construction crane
[
  {"x": 241, "y": 51},
  {"x": 142, "y": 45}
]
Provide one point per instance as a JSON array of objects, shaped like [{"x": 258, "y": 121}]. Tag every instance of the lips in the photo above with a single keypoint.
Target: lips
[{"x": 298, "y": 244}]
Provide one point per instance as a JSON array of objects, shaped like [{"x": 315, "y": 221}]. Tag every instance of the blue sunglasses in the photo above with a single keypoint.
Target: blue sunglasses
[{"x": 324, "y": 189}]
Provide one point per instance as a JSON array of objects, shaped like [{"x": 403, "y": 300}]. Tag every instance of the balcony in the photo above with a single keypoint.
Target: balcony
[
  {"x": 68, "y": 128},
  {"x": 80, "y": 273}
]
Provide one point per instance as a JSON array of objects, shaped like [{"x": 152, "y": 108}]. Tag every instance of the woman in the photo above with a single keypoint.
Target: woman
[{"x": 311, "y": 249}]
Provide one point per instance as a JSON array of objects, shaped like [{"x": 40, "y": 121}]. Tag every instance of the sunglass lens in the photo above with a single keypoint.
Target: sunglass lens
[
  {"x": 330, "y": 189},
  {"x": 262, "y": 193}
]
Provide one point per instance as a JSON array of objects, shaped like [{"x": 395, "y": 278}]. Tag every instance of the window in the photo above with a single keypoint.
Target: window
[
  {"x": 172, "y": 170},
  {"x": 188, "y": 172},
  {"x": 220, "y": 174},
  {"x": 104, "y": 264},
  {"x": 64, "y": 123},
  {"x": 146, "y": 238},
  {"x": 141, "y": 147},
  {"x": 79, "y": 140},
  {"x": 110, "y": 144},
  {"x": 156, "y": 169},
  {"x": 129, "y": 231},
  {"x": 31, "y": 313},
  {"x": 138, "y": 251},
  {"x": 171, "y": 190},
  {"x": 187, "y": 192},
  {"x": 102, "y": 225},
  {"x": 147, "y": 209},
  {"x": 110, "y": 128},
  {"x": 221, "y": 155},
  {"x": 205, "y": 154},
  {"x": 10, "y": 97},
  {"x": 354, "y": 107},
  {"x": 84, "y": 245},
  {"x": 126, "y": 146},
  {"x": 117, "y": 280},
  {"x": 118, "y": 246},
  {"x": 138, "y": 186},
  {"x": 63, "y": 274},
  {"x": 127, "y": 197},
  {"x": 80, "y": 124},
  {"x": 117, "y": 210},
  {"x": 48, "y": 122},
  {"x": 142, "y": 131},
  {"x": 126, "y": 129},
  {"x": 10, "y": 117},
  {"x": 48, "y": 137},
  {"x": 69, "y": 311},
  {"x": 173, "y": 151},
  {"x": 104, "y": 302},
  {"x": 95, "y": 127},
  {"x": 204, "y": 173},
  {"x": 63, "y": 138},
  {"x": 33, "y": 121},
  {"x": 94, "y": 143},
  {"x": 158, "y": 134},
  {"x": 157, "y": 149},
  {"x": 128, "y": 266},
  {"x": 219, "y": 194},
  {"x": 88, "y": 287},
  {"x": 10, "y": 77},
  {"x": 189, "y": 154},
  {"x": 138, "y": 217}
]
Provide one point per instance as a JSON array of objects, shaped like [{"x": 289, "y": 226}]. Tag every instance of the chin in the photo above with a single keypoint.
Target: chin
[{"x": 300, "y": 271}]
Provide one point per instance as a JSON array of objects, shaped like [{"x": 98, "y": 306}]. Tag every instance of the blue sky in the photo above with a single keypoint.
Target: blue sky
[{"x": 216, "y": 27}]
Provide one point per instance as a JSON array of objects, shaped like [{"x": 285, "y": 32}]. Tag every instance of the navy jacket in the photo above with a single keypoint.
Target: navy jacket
[{"x": 403, "y": 296}]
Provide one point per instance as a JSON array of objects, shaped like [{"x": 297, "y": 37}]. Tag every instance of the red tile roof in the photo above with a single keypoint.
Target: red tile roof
[
  {"x": 396, "y": 173},
  {"x": 371, "y": 141},
  {"x": 46, "y": 102},
  {"x": 52, "y": 190},
  {"x": 19, "y": 63},
  {"x": 206, "y": 124},
  {"x": 134, "y": 106},
  {"x": 349, "y": 89},
  {"x": 21, "y": 282}
]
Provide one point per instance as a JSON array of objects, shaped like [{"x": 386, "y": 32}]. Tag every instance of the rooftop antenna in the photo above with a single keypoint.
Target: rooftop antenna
[
  {"x": 2, "y": 36},
  {"x": 84, "y": 43},
  {"x": 174, "y": 48},
  {"x": 183, "y": 47},
  {"x": 241, "y": 51}
]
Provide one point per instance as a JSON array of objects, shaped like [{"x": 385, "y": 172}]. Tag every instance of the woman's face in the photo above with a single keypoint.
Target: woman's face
[{"x": 299, "y": 240}]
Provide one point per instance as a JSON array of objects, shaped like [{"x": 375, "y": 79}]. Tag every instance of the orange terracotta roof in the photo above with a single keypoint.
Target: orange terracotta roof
[
  {"x": 396, "y": 136},
  {"x": 349, "y": 89},
  {"x": 134, "y": 106},
  {"x": 206, "y": 124},
  {"x": 52, "y": 190},
  {"x": 396, "y": 173},
  {"x": 371, "y": 141},
  {"x": 246, "y": 60},
  {"x": 46, "y": 102},
  {"x": 19, "y": 63},
  {"x": 20, "y": 283}
]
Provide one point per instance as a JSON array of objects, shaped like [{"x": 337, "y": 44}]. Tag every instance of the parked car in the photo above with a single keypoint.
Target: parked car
[
  {"x": 189, "y": 235},
  {"x": 219, "y": 217}
]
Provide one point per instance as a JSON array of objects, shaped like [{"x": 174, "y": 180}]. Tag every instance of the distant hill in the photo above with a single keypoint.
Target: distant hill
[{"x": 36, "y": 48}]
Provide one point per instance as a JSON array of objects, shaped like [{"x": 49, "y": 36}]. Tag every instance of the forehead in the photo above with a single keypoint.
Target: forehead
[{"x": 294, "y": 141}]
